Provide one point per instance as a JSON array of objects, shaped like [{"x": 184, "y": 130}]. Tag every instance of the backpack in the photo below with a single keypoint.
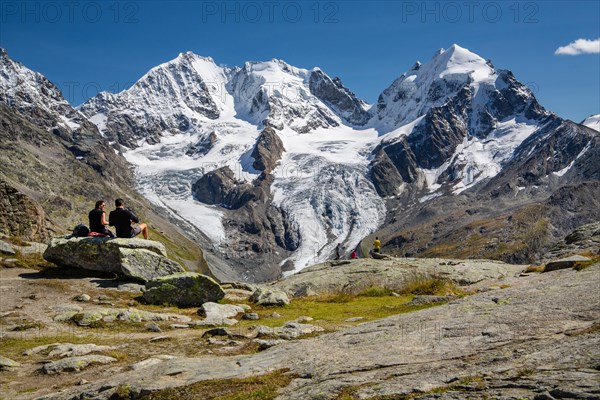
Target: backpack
[{"x": 80, "y": 231}]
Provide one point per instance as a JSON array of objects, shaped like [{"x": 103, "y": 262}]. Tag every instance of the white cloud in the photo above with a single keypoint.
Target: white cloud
[{"x": 580, "y": 46}]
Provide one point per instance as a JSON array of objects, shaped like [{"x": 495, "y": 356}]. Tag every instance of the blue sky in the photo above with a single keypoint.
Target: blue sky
[{"x": 86, "y": 46}]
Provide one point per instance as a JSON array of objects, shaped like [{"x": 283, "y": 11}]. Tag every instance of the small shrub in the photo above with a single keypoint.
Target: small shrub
[
  {"x": 525, "y": 372},
  {"x": 119, "y": 355},
  {"x": 122, "y": 393},
  {"x": 341, "y": 297}
]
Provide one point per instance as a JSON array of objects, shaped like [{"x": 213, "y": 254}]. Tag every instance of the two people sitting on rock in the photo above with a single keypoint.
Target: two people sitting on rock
[
  {"x": 98, "y": 222},
  {"x": 122, "y": 218}
]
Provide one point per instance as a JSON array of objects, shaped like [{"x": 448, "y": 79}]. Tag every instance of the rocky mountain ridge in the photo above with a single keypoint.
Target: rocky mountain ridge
[
  {"x": 276, "y": 164},
  {"x": 55, "y": 165}
]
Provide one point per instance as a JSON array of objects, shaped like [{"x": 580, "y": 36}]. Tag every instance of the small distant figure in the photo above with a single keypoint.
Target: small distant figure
[
  {"x": 121, "y": 218},
  {"x": 376, "y": 245},
  {"x": 98, "y": 222},
  {"x": 338, "y": 251},
  {"x": 354, "y": 255}
]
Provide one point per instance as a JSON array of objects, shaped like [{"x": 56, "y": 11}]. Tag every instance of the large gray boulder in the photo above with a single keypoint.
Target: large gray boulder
[
  {"x": 187, "y": 289},
  {"x": 139, "y": 259},
  {"x": 266, "y": 296},
  {"x": 219, "y": 314}
]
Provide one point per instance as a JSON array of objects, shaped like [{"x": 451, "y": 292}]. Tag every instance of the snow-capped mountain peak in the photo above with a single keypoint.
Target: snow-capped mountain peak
[
  {"x": 181, "y": 95},
  {"x": 30, "y": 92},
  {"x": 173, "y": 97},
  {"x": 453, "y": 121},
  {"x": 593, "y": 121},
  {"x": 430, "y": 85}
]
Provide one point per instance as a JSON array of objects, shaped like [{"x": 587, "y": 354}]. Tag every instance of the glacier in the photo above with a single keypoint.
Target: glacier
[{"x": 189, "y": 116}]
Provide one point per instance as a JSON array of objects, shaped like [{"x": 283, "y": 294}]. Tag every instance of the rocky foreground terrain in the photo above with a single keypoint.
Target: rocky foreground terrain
[{"x": 349, "y": 329}]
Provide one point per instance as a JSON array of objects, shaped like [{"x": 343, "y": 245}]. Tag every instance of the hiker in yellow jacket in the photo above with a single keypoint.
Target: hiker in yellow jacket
[{"x": 376, "y": 245}]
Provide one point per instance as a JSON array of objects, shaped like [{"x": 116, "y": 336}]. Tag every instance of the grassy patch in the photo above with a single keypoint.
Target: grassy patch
[
  {"x": 429, "y": 285},
  {"x": 262, "y": 387},
  {"x": 375, "y": 291},
  {"x": 31, "y": 261},
  {"x": 119, "y": 355},
  {"x": 176, "y": 251},
  {"x": 331, "y": 312},
  {"x": 17, "y": 241},
  {"x": 339, "y": 298}
]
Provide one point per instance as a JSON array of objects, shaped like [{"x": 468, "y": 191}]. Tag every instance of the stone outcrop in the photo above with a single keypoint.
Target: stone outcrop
[
  {"x": 254, "y": 226},
  {"x": 220, "y": 187},
  {"x": 267, "y": 151},
  {"x": 62, "y": 350},
  {"x": 203, "y": 146},
  {"x": 134, "y": 258},
  {"x": 289, "y": 331},
  {"x": 385, "y": 176},
  {"x": 20, "y": 215},
  {"x": 74, "y": 364},
  {"x": 357, "y": 275},
  {"x": 585, "y": 239},
  {"x": 500, "y": 343},
  {"x": 89, "y": 316},
  {"x": 187, "y": 289},
  {"x": 338, "y": 97},
  {"x": 563, "y": 263}
]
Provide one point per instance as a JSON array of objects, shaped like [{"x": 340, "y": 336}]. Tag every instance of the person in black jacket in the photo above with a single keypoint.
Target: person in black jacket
[
  {"x": 98, "y": 221},
  {"x": 338, "y": 251},
  {"x": 121, "y": 219}
]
